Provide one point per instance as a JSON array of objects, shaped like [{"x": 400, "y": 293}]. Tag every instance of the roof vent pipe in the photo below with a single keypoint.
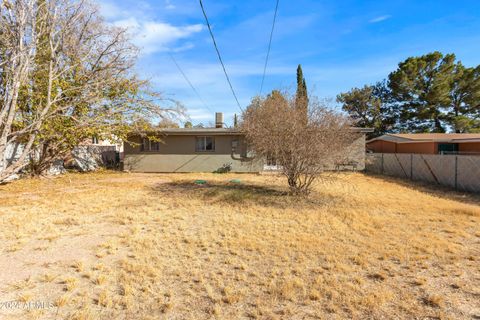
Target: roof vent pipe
[{"x": 218, "y": 120}]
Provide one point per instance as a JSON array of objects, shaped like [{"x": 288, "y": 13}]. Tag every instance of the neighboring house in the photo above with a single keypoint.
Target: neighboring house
[
  {"x": 88, "y": 155},
  {"x": 114, "y": 142},
  {"x": 93, "y": 153},
  {"x": 204, "y": 150},
  {"x": 426, "y": 143}
]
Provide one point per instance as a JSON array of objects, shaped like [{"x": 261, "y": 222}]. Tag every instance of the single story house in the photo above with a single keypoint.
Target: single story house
[
  {"x": 204, "y": 150},
  {"x": 426, "y": 143}
]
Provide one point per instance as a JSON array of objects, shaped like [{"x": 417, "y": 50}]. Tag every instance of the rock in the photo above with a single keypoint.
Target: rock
[
  {"x": 84, "y": 159},
  {"x": 12, "y": 177},
  {"x": 92, "y": 157},
  {"x": 56, "y": 168}
]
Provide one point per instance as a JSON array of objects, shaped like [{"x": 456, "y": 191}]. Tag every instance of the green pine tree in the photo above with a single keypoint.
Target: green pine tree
[
  {"x": 301, "y": 97},
  {"x": 421, "y": 87},
  {"x": 235, "y": 120}
]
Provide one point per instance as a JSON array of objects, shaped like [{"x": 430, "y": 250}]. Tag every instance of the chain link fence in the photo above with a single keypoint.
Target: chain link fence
[{"x": 460, "y": 172}]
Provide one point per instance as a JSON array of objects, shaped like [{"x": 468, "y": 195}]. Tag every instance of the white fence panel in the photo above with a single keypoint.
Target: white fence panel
[
  {"x": 443, "y": 167},
  {"x": 397, "y": 165},
  {"x": 374, "y": 162},
  {"x": 436, "y": 169},
  {"x": 468, "y": 177},
  {"x": 422, "y": 170},
  {"x": 455, "y": 171}
]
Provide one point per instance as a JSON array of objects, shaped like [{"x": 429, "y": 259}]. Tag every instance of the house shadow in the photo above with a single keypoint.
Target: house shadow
[{"x": 239, "y": 194}]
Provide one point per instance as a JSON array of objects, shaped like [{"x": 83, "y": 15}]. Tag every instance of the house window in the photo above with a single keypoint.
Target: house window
[
  {"x": 94, "y": 140},
  {"x": 204, "y": 144},
  {"x": 148, "y": 145},
  {"x": 154, "y": 146},
  {"x": 448, "y": 148}
]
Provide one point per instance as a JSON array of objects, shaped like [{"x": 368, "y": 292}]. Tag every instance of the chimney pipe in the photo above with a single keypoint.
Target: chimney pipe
[{"x": 218, "y": 120}]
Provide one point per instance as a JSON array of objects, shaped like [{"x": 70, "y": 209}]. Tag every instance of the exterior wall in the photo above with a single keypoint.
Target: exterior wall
[
  {"x": 177, "y": 154},
  {"x": 379, "y": 146},
  {"x": 469, "y": 147},
  {"x": 184, "y": 144},
  {"x": 89, "y": 142},
  {"x": 186, "y": 163},
  {"x": 357, "y": 152},
  {"x": 417, "y": 147}
]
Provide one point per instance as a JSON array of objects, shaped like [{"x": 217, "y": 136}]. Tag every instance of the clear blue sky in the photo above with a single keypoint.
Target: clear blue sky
[{"x": 340, "y": 44}]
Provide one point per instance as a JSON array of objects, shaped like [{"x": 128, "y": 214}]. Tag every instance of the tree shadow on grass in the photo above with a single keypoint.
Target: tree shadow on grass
[{"x": 240, "y": 194}]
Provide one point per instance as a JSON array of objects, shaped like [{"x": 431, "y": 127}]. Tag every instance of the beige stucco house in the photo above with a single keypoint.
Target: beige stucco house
[
  {"x": 207, "y": 150},
  {"x": 190, "y": 150}
]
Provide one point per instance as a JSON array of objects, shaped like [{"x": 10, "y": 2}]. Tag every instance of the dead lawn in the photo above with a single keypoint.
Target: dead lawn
[{"x": 152, "y": 246}]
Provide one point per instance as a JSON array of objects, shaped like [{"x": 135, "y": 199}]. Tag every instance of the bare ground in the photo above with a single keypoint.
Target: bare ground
[{"x": 146, "y": 246}]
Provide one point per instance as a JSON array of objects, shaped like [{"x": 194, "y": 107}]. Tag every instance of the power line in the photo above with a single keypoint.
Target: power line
[
  {"x": 189, "y": 82},
  {"x": 219, "y": 56},
  {"x": 269, "y": 45}
]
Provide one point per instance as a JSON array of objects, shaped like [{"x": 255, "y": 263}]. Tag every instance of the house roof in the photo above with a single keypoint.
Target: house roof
[
  {"x": 219, "y": 131},
  {"x": 429, "y": 137},
  {"x": 197, "y": 131}
]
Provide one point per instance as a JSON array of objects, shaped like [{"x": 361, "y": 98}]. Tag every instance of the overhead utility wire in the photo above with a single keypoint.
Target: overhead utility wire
[
  {"x": 269, "y": 46},
  {"x": 219, "y": 56},
  {"x": 189, "y": 82}
]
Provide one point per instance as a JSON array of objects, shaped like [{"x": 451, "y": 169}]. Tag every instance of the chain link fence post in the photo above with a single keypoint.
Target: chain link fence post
[
  {"x": 456, "y": 172},
  {"x": 382, "y": 164},
  {"x": 411, "y": 166}
]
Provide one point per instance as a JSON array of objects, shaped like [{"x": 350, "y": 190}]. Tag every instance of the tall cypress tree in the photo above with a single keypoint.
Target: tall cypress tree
[
  {"x": 301, "y": 97},
  {"x": 235, "y": 121}
]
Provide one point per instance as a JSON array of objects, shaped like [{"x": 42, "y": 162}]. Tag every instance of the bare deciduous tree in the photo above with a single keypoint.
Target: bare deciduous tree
[
  {"x": 274, "y": 128},
  {"x": 65, "y": 75}
]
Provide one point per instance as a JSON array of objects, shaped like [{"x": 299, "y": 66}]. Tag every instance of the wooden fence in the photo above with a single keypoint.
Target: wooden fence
[{"x": 460, "y": 172}]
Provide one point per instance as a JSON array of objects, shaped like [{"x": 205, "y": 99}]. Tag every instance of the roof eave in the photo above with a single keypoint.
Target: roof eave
[
  {"x": 220, "y": 131},
  {"x": 466, "y": 140},
  {"x": 363, "y": 130},
  {"x": 188, "y": 131},
  {"x": 383, "y": 137}
]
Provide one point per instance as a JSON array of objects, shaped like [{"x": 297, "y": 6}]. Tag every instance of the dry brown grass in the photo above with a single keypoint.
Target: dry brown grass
[{"x": 152, "y": 246}]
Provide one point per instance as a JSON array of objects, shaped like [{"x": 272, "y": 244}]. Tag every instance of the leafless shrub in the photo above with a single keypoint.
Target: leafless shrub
[{"x": 304, "y": 147}]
